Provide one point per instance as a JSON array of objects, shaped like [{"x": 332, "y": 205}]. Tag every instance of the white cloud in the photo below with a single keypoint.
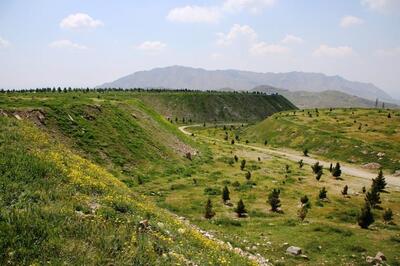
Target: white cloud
[
  {"x": 291, "y": 39},
  {"x": 349, "y": 21},
  {"x": 80, "y": 21},
  {"x": 340, "y": 51},
  {"x": 253, "y": 6},
  {"x": 66, "y": 44},
  {"x": 4, "y": 43},
  {"x": 194, "y": 14},
  {"x": 262, "y": 48},
  {"x": 237, "y": 31},
  {"x": 152, "y": 47},
  {"x": 382, "y": 5},
  {"x": 389, "y": 52}
]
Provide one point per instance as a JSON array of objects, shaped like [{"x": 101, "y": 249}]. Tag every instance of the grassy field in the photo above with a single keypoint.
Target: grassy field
[
  {"x": 329, "y": 235},
  {"x": 359, "y": 136}
]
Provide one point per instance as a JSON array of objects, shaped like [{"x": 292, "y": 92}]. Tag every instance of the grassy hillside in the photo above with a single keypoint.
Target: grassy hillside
[
  {"x": 59, "y": 208},
  {"x": 329, "y": 235},
  {"x": 323, "y": 99},
  {"x": 221, "y": 106},
  {"x": 359, "y": 136}
]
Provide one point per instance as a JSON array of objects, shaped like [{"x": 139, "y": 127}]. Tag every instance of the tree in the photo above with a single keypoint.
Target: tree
[
  {"x": 305, "y": 202},
  {"x": 287, "y": 169},
  {"x": 265, "y": 142},
  {"x": 248, "y": 175},
  {"x": 242, "y": 164},
  {"x": 366, "y": 217},
  {"x": 225, "y": 194},
  {"x": 236, "y": 158},
  {"x": 331, "y": 168},
  {"x": 344, "y": 191},
  {"x": 301, "y": 163},
  {"x": 273, "y": 199},
  {"x": 363, "y": 190},
  {"x": 336, "y": 172},
  {"x": 316, "y": 168},
  {"x": 209, "y": 213},
  {"x": 388, "y": 215},
  {"x": 302, "y": 213},
  {"x": 389, "y": 115},
  {"x": 305, "y": 152},
  {"x": 319, "y": 175},
  {"x": 373, "y": 197},
  {"x": 241, "y": 209},
  {"x": 379, "y": 182},
  {"x": 322, "y": 193},
  {"x": 232, "y": 141}
]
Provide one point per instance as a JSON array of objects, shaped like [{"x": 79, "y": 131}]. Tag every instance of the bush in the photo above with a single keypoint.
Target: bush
[
  {"x": 322, "y": 193},
  {"x": 209, "y": 213},
  {"x": 366, "y": 218},
  {"x": 241, "y": 209},
  {"x": 273, "y": 199},
  {"x": 388, "y": 215}
]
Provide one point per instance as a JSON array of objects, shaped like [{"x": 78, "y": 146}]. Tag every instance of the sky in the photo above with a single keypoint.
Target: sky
[{"x": 86, "y": 43}]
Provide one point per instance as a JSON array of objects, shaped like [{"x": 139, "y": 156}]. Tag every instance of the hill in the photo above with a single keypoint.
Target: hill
[
  {"x": 360, "y": 136},
  {"x": 323, "y": 99},
  {"x": 179, "y": 77}
]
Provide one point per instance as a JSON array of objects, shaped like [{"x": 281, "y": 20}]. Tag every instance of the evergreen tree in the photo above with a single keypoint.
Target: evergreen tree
[
  {"x": 248, "y": 175},
  {"x": 225, "y": 194},
  {"x": 331, "y": 168},
  {"x": 302, "y": 213},
  {"x": 240, "y": 209},
  {"x": 305, "y": 152},
  {"x": 319, "y": 175},
  {"x": 242, "y": 164},
  {"x": 316, "y": 168},
  {"x": 373, "y": 197},
  {"x": 232, "y": 141},
  {"x": 379, "y": 182},
  {"x": 305, "y": 202},
  {"x": 236, "y": 158},
  {"x": 388, "y": 215},
  {"x": 363, "y": 190},
  {"x": 366, "y": 217},
  {"x": 336, "y": 172},
  {"x": 209, "y": 213},
  {"x": 344, "y": 191},
  {"x": 265, "y": 142},
  {"x": 322, "y": 193},
  {"x": 301, "y": 163},
  {"x": 273, "y": 199}
]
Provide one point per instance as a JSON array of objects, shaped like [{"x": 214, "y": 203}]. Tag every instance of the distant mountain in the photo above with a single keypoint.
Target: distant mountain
[
  {"x": 324, "y": 99},
  {"x": 178, "y": 77}
]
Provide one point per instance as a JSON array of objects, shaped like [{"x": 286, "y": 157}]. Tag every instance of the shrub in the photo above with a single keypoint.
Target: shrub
[
  {"x": 388, "y": 215},
  {"x": 273, "y": 199},
  {"x": 301, "y": 163},
  {"x": 322, "y": 193},
  {"x": 242, "y": 164},
  {"x": 225, "y": 194},
  {"x": 305, "y": 152},
  {"x": 336, "y": 171},
  {"x": 345, "y": 189},
  {"x": 209, "y": 213},
  {"x": 248, "y": 175},
  {"x": 302, "y": 213},
  {"x": 240, "y": 209},
  {"x": 366, "y": 218}
]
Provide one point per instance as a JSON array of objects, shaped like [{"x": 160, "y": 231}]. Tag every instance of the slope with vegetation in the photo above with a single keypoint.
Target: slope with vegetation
[{"x": 362, "y": 136}]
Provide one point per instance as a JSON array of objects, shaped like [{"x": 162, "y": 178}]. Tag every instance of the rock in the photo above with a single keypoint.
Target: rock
[
  {"x": 372, "y": 166},
  {"x": 17, "y": 117},
  {"x": 292, "y": 250},
  {"x": 380, "y": 154},
  {"x": 380, "y": 256},
  {"x": 397, "y": 173},
  {"x": 370, "y": 259},
  {"x": 304, "y": 257}
]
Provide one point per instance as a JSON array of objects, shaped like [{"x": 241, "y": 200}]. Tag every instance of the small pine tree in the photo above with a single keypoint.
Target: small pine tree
[
  {"x": 389, "y": 115},
  {"x": 248, "y": 175},
  {"x": 301, "y": 163},
  {"x": 344, "y": 191},
  {"x": 242, "y": 164},
  {"x": 236, "y": 158},
  {"x": 336, "y": 172},
  {"x": 366, "y": 217},
  {"x": 232, "y": 141},
  {"x": 273, "y": 199},
  {"x": 322, "y": 193},
  {"x": 287, "y": 169},
  {"x": 373, "y": 197},
  {"x": 225, "y": 194},
  {"x": 209, "y": 213},
  {"x": 265, "y": 142},
  {"x": 379, "y": 182},
  {"x": 139, "y": 180},
  {"x": 316, "y": 168},
  {"x": 331, "y": 168},
  {"x": 388, "y": 215},
  {"x": 302, "y": 213},
  {"x": 240, "y": 209},
  {"x": 319, "y": 175},
  {"x": 363, "y": 190},
  {"x": 204, "y": 124},
  {"x": 305, "y": 152}
]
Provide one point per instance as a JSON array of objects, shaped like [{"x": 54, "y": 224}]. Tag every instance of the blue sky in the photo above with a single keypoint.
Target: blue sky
[{"x": 86, "y": 43}]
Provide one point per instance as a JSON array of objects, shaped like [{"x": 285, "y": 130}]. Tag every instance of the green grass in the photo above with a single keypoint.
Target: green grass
[
  {"x": 59, "y": 208},
  {"x": 335, "y": 134},
  {"x": 330, "y": 234}
]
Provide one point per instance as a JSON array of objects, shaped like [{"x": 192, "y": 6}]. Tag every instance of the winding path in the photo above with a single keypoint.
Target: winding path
[{"x": 291, "y": 155}]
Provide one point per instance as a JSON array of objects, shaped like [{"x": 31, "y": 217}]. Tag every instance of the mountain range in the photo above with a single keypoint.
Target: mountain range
[{"x": 181, "y": 77}]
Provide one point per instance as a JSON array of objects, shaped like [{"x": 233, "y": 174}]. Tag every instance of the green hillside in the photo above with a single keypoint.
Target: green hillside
[
  {"x": 360, "y": 136},
  {"x": 59, "y": 208},
  {"x": 216, "y": 106}
]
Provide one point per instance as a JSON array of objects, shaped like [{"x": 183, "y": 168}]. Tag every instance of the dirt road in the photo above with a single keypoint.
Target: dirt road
[{"x": 349, "y": 169}]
